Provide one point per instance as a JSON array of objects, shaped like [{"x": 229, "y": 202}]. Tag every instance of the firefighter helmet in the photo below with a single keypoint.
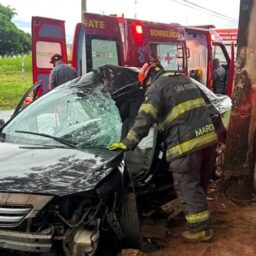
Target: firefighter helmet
[
  {"x": 54, "y": 57},
  {"x": 149, "y": 69}
]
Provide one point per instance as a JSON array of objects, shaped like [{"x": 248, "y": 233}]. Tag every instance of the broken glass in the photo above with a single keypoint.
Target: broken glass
[{"x": 85, "y": 116}]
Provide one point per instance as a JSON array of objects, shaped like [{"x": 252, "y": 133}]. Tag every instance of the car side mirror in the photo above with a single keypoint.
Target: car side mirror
[{"x": 2, "y": 122}]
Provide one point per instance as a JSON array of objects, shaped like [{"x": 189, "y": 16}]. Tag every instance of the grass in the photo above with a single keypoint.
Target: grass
[{"x": 13, "y": 83}]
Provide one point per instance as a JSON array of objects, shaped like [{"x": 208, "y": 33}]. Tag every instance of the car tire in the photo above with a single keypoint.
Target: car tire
[{"x": 130, "y": 224}]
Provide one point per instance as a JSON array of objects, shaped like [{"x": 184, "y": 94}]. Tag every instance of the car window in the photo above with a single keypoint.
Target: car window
[{"x": 83, "y": 116}]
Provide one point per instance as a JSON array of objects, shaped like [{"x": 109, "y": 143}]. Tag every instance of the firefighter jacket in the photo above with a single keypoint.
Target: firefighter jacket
[{"x": 176, "y": 105}]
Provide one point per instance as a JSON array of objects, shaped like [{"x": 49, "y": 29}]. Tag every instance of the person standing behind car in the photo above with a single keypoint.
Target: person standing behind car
[
  {"x": 219, "y": 78},
  {"x": 61, "y": 72},
  {"x": 175, "y": 103}
]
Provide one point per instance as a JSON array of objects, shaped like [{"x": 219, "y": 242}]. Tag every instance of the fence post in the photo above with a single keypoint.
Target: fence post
[{"x": 23, "y": 67}]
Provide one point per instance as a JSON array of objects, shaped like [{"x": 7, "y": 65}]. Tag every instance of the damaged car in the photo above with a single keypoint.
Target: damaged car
[{"x": 62, "y": 192}]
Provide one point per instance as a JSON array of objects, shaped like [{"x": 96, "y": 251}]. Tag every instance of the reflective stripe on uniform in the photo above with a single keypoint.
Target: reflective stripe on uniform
[
  {"x": 149, "y": 109},
  {"x": 132, "y": 136},
  {"x": 191, "y": 144},
  {"x": 199, "y": 217},
  {"x": 182, "y": 108}
]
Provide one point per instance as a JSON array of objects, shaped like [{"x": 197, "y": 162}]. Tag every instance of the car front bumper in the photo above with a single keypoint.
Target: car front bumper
[{"x": 26, "y": 242}]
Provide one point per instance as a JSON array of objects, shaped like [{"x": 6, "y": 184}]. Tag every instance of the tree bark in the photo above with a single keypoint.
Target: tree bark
[{"x": 240, "y": 151}]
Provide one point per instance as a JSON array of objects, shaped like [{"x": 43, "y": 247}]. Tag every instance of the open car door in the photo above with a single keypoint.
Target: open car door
[
  {"x": 48, "y": 37},
  {"x": 26, "y": 99},
  {"x": 144, "y": 161}
]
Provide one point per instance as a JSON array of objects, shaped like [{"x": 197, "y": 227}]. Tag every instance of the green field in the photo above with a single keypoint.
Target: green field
[{"x": 13, "y": 83}]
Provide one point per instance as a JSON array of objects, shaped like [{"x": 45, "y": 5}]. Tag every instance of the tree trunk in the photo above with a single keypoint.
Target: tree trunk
[{"x": 240, "y": 153}]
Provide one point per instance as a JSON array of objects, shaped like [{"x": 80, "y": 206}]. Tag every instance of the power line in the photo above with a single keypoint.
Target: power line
[
  {"x": 209, "y": 10},
  {"x": 205, "y": 10}
]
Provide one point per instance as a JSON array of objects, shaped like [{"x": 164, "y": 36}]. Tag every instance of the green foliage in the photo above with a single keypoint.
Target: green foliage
[
  {"x": 13, "y": 83},
  {"x": 13, "y": 41},
  {"x": 7, "y": 11}
]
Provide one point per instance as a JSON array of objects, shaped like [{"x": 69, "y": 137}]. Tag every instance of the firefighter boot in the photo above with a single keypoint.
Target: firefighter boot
[{"x": 199, "y": 236}]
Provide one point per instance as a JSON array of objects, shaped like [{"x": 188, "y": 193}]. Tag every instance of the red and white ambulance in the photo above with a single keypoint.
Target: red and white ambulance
[{"x": 103, "y": 39}]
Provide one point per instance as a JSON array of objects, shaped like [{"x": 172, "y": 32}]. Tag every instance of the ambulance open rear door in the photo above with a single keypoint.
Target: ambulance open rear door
[
  {"x": 96, "y": 42},
  {"x": 48, "y": 37}
]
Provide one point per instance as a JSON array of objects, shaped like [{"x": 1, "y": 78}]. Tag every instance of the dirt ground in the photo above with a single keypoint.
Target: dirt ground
[{"x": 234, "y": 232}]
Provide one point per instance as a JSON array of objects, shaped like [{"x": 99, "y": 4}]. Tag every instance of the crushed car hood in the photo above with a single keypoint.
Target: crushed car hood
[{"x": 57, "y": 171}]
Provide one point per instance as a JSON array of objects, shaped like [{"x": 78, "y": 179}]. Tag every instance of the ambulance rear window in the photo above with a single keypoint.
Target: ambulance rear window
[
  {"x": 44, "y": 51},
  {"x": 170, "y": 55},
  {"x": 104, "y": 52}
]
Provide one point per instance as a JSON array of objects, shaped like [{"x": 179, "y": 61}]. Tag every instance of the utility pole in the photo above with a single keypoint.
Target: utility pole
[
  {"x": 83, "y": 9},
  {"x": 135, "y": 9},
  {"x": 241, "y": 136}
]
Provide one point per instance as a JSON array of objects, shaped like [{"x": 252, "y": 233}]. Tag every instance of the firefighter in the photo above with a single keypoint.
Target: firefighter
[
  {"x": 174, "y": 102},
  {"x": 61, "y": 72}
]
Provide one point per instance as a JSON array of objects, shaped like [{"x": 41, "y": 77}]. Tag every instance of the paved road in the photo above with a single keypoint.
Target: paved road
[{"x": 5, "y": 114}]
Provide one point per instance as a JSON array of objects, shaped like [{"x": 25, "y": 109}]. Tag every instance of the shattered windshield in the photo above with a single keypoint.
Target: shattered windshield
[{"x": 85, "y": 117}]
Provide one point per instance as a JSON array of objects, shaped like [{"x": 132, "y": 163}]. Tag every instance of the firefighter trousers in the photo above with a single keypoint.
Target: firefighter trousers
[{"x": 191, "y": 175}]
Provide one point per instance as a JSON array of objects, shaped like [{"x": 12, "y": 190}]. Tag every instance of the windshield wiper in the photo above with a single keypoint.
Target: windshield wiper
[{"x": 60, "y": 140}]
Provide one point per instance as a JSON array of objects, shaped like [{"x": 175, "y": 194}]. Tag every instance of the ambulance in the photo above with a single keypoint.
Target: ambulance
[{"x": 103, "y": 39}]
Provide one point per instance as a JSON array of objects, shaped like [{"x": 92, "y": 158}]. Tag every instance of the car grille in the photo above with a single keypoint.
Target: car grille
[{"x": 12, "y": 216}]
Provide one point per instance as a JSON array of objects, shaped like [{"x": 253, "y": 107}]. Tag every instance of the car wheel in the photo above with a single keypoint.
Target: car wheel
[{"x": 129, "y": 221}]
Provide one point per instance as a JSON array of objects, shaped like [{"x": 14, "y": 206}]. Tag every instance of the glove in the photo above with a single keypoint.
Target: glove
[{"x": 117, "y": 146}]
